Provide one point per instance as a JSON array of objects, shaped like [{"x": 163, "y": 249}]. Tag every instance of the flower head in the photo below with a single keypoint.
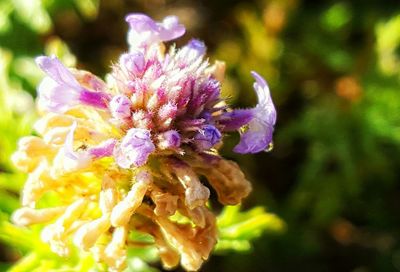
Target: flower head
[{"x": 128, "y": 154}]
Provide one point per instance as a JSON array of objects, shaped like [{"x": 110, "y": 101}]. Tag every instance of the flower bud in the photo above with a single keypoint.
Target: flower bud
[{"x": 120, "y": 107}]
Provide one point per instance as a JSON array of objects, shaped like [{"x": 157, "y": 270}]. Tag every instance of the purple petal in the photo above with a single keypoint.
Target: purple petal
[
  {"x": 120, "y": 107},
  {"x": 105, "y": 149},
  {"x": 265, "y": 105},
  {"x": 235, "y": 119},
  {"x": 134, "y": 149},
  {"x": 170, "y": 28},
  {"x": 207, "y": 137},
  {"x": 255, "y": 140},
  {"x": 145, "y": 31},
  {"x": 141, "y": 23},
  {"x": 60, "y": 90},
  {"x": 258, "y": 136},
  {"x": 55, "y": 97},
  {"x": 53, "y": 67}
]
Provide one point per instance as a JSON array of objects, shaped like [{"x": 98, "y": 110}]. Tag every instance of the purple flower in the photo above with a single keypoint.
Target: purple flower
[
  {"x": 207, "y": 137},
  {"x": 120, "y": 107},
  {"x": 197, "y": 46},
  {"x": 236, "y": 119},
  {"x": 169, "y": 140},
  {"x": 60, "y": 90},
  {"x": 134, "y": 149},
  {"x": 261, "y": 127},
  {"x": 145, "y": 31}
]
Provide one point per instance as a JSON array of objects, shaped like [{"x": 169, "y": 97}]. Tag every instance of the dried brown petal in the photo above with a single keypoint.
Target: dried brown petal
[
  {"x": 123, "y": 211},
  {"x": 194, "y": 244},
  {"x": 166, "y": 203},
  {"x": 226, "y": 178},
  {"x": 196, "y": 194}
]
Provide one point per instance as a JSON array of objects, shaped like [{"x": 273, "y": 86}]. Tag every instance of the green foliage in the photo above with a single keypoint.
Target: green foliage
[{"x": 237, "y": 229}]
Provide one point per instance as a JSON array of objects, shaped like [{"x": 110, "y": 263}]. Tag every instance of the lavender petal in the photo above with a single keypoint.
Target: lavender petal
[
  {"x": 145, "y": 31},
  {"x": 236, "y": 119},
  {"x": 258, "y": 136},
  {"x": 53, "y": 67}
]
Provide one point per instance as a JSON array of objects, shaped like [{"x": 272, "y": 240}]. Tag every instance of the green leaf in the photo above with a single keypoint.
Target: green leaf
[{"x": 237, "y": 229}]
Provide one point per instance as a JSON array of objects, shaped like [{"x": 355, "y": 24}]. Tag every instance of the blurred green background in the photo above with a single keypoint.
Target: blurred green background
[{"x": 334, "y": 72}]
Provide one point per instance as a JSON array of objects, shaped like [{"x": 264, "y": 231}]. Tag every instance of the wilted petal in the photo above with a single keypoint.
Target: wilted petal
[
  {"x": 196, "y": 194},
  {"x": 193, "y": 244},
  {"x": 88, "y": 234},
  {"x": 56, "y": 234},
  {"x": 166, "y": 203},
  {"x": 225, "y": 177},
  {"x": 115, "y": 253},
  {"x": 135, "y": 148},
  {"x": 260, "y": 129},
  {"x": 31, "y": 151},
  {"x": 26, "y": 216},
  {"x": 123, "y": 211}
]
